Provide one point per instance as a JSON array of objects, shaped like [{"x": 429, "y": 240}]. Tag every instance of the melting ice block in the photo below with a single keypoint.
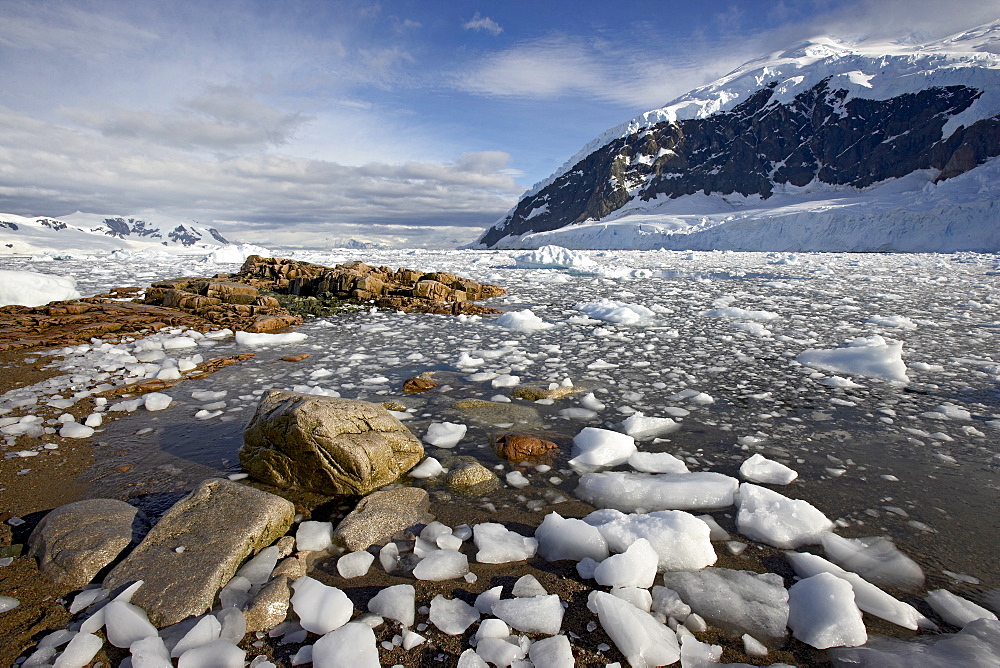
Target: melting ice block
[
  {"x": 444, "y": 434},
  {"x": 355, "y": 564},
  {"x": 442, "y": 565},
  {"x": 554, "y": 652},
  {"x": 452, "y": 615},
  {"x": 643, "y": 640},
  {"x": 351, "y": 645},
  {"x": 657, "y": 462},
  {"x": 956, "y": 610},
  {"x": 532, "y": 614},
  {"x": 216, "y": 654},
  {"x": 735, "y": 601},
  {"x": 313, "y": 535},
  {"x": 522, "y": 321},
  {"x": 682, "y": 542},
  {"x": 642, "y": 492},
  {"x": 875, "y": 559},
  {"x": 562, "y": 538},
  {"x": 635, "y": 567},
  {"x": 759, "y": 468},
  {"x": 595, "y": 447},
  {"x": 499, "y": 545},
  {"x": 978, "y": 644},
  {"x": 126, "y": 623},
  {"x": 867, "y": 596},
  {"x": 638, "y": 425},
  {"x": 822, "y": 613},
  {"x": 320, "y": 608},
  {"x": 777, "y": 520},
  {"x": 395, "y": 602},
  {"x": 871, "y": 356}
]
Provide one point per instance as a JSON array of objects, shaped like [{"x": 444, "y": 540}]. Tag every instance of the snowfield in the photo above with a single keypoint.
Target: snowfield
[{"x": 870, "y": 399}]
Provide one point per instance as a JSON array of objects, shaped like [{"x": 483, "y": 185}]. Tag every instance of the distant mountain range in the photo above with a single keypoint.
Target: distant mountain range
[
  {"x": 87, "y": 232},
  {"x": 824, "y": 146}
]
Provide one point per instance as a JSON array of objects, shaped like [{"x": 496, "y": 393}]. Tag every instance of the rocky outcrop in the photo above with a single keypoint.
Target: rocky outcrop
[
  {"x": 326, "y": 445},
  {"x": 380, "y": 515},
  {"x": 197, "y": 546},
  {"x": 224, "y": 303},
  {"x": 75, "y": 541}
]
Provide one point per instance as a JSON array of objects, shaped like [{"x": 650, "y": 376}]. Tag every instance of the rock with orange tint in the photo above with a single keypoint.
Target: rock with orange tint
[
  {"x": 519, "y": 448},
  {"x": 419, "y": 384}
]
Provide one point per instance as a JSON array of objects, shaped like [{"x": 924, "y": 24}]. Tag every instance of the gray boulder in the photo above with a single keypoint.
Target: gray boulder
[
  {"x": 326, "y": 445},
  {"x": 197, "y": 547},
  {"x": 382, "y": 514},
  {"x": 75, "y": 541}
]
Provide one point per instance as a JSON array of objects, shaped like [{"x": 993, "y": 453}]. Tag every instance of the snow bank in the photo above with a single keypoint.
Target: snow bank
[{"x": 29, "y": 288}]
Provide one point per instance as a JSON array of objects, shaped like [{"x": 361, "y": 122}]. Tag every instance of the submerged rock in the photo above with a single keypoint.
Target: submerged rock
[
  {"x": 520, "y": 448},
  {"x": 198, "y": 545},
  {"x": 326, "y": 445},
  {"x": 75, "y": 541},
  {"x": 380, "y": 515}
]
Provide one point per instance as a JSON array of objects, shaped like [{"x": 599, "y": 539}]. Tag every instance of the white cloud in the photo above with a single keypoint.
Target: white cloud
[{"x": 484, "y": 23}]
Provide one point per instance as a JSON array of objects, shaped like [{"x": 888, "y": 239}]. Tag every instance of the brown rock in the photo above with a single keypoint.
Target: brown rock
[
  {"x": 531, "y": 393},
  {"x": 269, "y": 607},
  {"x": 295, "y": 358},
  {"x": 382, "y": 514},
  {"x": 419, "y": 384},
  {"x": 519, "y": 448}
]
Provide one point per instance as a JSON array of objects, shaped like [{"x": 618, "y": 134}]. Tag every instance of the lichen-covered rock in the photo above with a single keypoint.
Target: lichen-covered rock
[
  {"x": 75, "y": 541},
  {"x": 469, "y": 476},
  {"x": 382, "y": 514},
  {"x": 326, "y": 445},
  {"x": 197, "y": 546}
]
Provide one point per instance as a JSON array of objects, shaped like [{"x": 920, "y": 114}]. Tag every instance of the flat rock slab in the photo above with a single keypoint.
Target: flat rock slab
[
  {"x": 326, "y": 445},
  {"x": 382, "y": 514},
  {"x": 74, "y": 542},
  {"x": 217, "y": 526}
]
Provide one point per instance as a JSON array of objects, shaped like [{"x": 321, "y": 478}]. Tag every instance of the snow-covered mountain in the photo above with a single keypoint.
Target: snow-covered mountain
[
  {"x": 89, "y": 232},
  {"x": 823, "y": 146}
]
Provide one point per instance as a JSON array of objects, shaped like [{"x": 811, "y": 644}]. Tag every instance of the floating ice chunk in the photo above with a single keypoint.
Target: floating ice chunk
[
  {"x": 838, "y": 381},
  {"x": 774, "y": 519},
  {"x": 948, "y": 411},
  {"x": 978, "y": 644},
  {"x": 442, "y": 565},
  {"x": 681, "y": 541},
  {"x": 498, "y": 545},
  {"x": 150, "y": 652},
  {"x": 873, "y": 357},
  {"x": 355, "y": 564},
  {"x": 899, "y": 321},
  {"x": 616, "y": 312},
  {"x": 867, "y": 596},
  {"x": 822, "y": 613},
  {"x": 875, "y": 559},
  {"x": 638, "y": 425},
  {"x": 255, "y": 339},
  {"x": 156, "y": 401},
  {"x": 569, "y": 538},
  {"x": 208, "y": 629},
  {"x": 630, "y": 492},
  {"x": 320, "y": 608},
  {"x": 75, "y": 430},
  {"x": 428, "y": 468},
  {"x": 735, "y": 601},
  {"x": 657, "y": 462},
  {"x": 554, "y": 652},
  {"x": 595, "y": 447},
  {"x": 516, "y": 479},
  {"x": 635, "y": 567},
  {"x": 759, "y": 468},
  {"x": 643, "y": 640},
  {"x": 80, "y": 651},
  {"x": 743, "y": 314},
  {"x": 506, "y": 380},
  {"x": 313, "y": 535},
  {"x": 956, "y": 610},
  {"x": 553, "y": 257},
  {"x": 533, "y": 614},
  {"x": 395, "y": 602},
  {"x": 126, "y": 623},
  {"x": 452, "y": 615},
  {"x": 444, "y": 434},
  {"x": 752, "y": 328},
  {"x": 590, "y": 402},
  {"x": 209, "y": 395},
  {"x": 351, "y": 645},
  {"x": 522, "y": 321}
]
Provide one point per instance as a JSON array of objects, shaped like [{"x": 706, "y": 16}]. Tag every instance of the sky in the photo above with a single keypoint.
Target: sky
[{"x": 305, "y": 123}]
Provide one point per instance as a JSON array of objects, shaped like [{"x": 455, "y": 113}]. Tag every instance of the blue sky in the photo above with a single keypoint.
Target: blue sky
[{"x": 418, "y": 123}]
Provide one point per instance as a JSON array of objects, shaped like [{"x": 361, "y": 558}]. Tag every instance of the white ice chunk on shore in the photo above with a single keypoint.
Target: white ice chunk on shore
[
  {"x": 444, "y": 434},
  {"x": 871, "y": 356},
  {"x": 638, "y": 425},
  {"x": 259, "y": 339},
  {"x": 635, "y": 567},
  {"x": 452, "y": 615},
  {"x": 156, "y": 401},
  {"x": 355, "y": 564},
  {"x": 554, "y": 652},
  {"x": 867, "y": 596},
  {"x": 822, "y": 613},
  {"x": 30, "y": 288},
  {"x": 80, "y": 651},
  {"x": 657, "y": 462},
  {"x": 314, "y": 535},
  {"x": 442, "y": 565},
  {"x": 532, "y": 614},
  {"x": 735, "y": 601},
  {"x": 496, "y": 544},
  {"x": 774, "y": 519},
  {"x": 643, "y": 640},
  {"x": 595, "y": 447},
  {"x": 642, "y": 492},
  {"x": 956, "y": 610},
  {"x": 428, "y": 468},
  {"x": 759, "y": 468},
  {"x": 320, "y": 608},
  {"x": 395, "y": 602},
  {"x": 126, "y": 623},
  {"x": 352, "y": 644},
  {"x": 569, "y": 538},
  {"x": 682, "y": 542},
  {"x": 75, "y": 430},
  {"x": 522, "y": 321},
  {"x": 978, "y": 644},
  {"x": 875, "y": 559}
]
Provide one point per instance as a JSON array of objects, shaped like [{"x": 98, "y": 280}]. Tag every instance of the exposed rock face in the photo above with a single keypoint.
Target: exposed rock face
[
  {"x": 519, "y": 448},
  {"x": 419, "y": 384},
  {"x": 218, "y": 525},
  {"x": 75, "y": 541},
  {"x": 758, "y": 146},
  {"x": 326, "y": 445},
  {"x": 470, "y": 477},
  {"x": 224, "y": 303},
  {"x": 269, "y": 607},
  {"x": 382, "y": 514}
]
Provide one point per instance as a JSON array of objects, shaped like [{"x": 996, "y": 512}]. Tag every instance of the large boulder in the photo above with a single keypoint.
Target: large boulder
[
  {"x": 326, "y": 445},
  {"x": 382, "y": 514},
  {"x": 195, "y": 549},
  {"x": 75, "y": 541}
]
